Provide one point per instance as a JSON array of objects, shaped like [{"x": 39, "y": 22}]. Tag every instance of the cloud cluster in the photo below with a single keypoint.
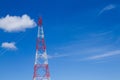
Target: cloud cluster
[
  {"x": 10, "y": 46},
  {"x": 16, "y": 23}
]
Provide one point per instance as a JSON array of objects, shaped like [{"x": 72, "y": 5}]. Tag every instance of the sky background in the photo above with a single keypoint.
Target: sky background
[{"x": 82, "y": 38}]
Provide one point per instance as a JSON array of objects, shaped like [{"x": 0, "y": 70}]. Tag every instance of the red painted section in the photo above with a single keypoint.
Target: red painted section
[
  {"x": 39, "y": 66},
  {"x": 43, "y": 42},
  {"x": 47, "y": 72},
  {"x": 40, "y": 21}
]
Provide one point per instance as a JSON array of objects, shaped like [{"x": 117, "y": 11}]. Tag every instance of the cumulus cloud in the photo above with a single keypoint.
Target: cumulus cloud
[
  {"x": 10, "y": 46},
  {"x": 16, "y": 23},
  {"x": 107, "y": 8}
]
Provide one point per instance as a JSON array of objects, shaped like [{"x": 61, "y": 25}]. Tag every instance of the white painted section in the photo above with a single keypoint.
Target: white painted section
[
  {"x": 36, "y": 56},
  {"x": 42, "y": 35},
  {"x": 42, "y": 30},
  {"x": 38, "y": 32},
  {"x": 45, "y": 55},
  {"x": 34, "y": 78},
  {"x": 46, "y": 62}
]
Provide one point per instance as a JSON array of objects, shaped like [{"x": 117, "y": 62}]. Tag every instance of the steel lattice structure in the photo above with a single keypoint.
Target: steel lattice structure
[{"x": 41, "y": 70}]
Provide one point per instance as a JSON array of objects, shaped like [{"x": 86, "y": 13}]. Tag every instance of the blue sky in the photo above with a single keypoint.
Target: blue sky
[{"x": 82, "y": 38}]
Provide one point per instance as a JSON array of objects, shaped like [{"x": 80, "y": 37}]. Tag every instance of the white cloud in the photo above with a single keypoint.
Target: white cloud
[
  {"x": 107, "y": 8},
  {"x": 101, "y": 34},
  {"x": 10, "y": 46},
  {"x": 16, "y": 23},
  {"x": 57, "y": 56},
  {"x": 108, "y": 54}
]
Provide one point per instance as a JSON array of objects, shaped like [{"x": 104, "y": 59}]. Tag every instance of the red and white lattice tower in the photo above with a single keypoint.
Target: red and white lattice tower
[{"x": 41, "y": 70}]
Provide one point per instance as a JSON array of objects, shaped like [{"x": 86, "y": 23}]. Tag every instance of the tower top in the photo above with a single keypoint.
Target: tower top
[{"x": 40, "y": 21}]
